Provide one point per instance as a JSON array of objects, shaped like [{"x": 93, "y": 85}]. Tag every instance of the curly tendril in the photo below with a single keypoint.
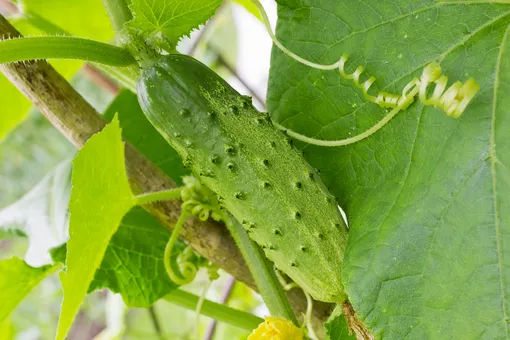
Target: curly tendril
[
  {"x": 199, "y": 201},
  {"x": 453, "y": 101},
  {"x": 188, "y": 270}
]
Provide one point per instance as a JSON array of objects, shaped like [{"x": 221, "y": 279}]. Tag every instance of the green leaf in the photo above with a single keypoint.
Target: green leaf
[
  {"x": 171, "y": 18},
  {"x": 100, "y": 198},
  {"x": 137, "y": 130},
  {"x": 336, "y": 328},
  {"x": 17, "y": 279},
  {"x": 427, "y": 197},
  {"x": 133, "y": 263}
]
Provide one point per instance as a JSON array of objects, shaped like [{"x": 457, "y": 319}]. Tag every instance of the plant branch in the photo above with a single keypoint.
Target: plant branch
[
  {"x": 58, "y": 47},
  {"x": 77, "y": 120},
  {"x": 119, "y": 13},
  {"x": 215, "y": 310},
  {"x": 162, "y": 195},
  {"x": 263, "y": 272}
]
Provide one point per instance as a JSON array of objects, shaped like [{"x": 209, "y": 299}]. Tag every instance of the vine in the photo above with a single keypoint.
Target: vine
[
  {"x": 453, "y": 100},
  {"x": 63, "y": 47}
]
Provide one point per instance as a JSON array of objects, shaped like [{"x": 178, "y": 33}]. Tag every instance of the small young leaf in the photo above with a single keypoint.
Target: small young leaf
[
  {"x": 100, "y": 198},
  {"x": 171, "y": 18},
  {"x": 17, "y": 279}
]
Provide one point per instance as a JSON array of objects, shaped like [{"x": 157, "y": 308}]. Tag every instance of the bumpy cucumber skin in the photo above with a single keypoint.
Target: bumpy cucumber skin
[{"x": 261, "y": 179}]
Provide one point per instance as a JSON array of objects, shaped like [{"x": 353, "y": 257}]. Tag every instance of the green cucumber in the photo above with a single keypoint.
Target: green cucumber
[{"x": 260, "y": 178}]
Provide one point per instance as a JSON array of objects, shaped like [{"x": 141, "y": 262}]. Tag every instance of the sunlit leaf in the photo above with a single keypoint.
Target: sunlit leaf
[
  {"x": 100, "y": 198},
  {"x": 17, "y": 279}
]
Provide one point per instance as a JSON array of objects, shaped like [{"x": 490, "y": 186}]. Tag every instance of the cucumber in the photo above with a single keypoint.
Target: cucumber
[{"x": 259, "y": 177}]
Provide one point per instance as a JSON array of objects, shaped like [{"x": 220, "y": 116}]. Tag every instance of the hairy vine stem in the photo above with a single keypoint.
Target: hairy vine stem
[
  {"x": 119, "y": 14},
  {"x": 77, "y": 120},
  {"x": 214, "y": 310},
  {"x": 62, "y": 47}
]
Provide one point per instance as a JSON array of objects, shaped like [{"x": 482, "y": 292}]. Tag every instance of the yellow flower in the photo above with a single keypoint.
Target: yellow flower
[{"x": 276, "y": 329}]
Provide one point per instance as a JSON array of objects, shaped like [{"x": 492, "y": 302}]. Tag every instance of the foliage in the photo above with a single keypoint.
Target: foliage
[
  {"x": 427, "y": 197},
  {"x": 169, "y": 20},
  {"x": 17, "y": 280},
  {"x": 97, "y": 208},
  {"x": 133, "y": 262}
]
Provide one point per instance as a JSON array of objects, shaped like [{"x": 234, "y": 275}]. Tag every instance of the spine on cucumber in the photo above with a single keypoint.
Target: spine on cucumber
[{"x": 260, "y": 178}]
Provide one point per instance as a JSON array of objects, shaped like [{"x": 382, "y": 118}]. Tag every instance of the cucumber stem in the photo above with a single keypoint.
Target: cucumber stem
[
  {"x": 163, "y": 195},
  {"x": 119, "y": 14},
  {"x": 59, "y": 47},
  {"x": 139, "y": 47},
  {"x": 263, "y": 273},
  {"x": 214, "y": 310}
]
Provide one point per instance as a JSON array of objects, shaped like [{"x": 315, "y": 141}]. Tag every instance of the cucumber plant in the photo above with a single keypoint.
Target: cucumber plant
[{"x": 384, "y": 155}]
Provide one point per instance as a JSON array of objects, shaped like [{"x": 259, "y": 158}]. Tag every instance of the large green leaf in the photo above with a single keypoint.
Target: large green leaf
[
  {"x": 100, "y": 198},
  {"x": 133, "y": 262},
  {"x": 427, "y": 197},
  {"x": 17, "y": 280},
  {"x": 171, "y": 18}
]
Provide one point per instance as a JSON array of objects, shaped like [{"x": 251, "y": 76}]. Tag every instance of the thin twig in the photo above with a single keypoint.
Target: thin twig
[{"x": 225, "y": 295}]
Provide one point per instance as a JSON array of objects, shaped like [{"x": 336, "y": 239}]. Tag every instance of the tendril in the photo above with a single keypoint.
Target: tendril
[
  {"x": 199, "y": 201},
  {"x": 187, "y": 269},
  {"x": 453, "y": 101}
]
